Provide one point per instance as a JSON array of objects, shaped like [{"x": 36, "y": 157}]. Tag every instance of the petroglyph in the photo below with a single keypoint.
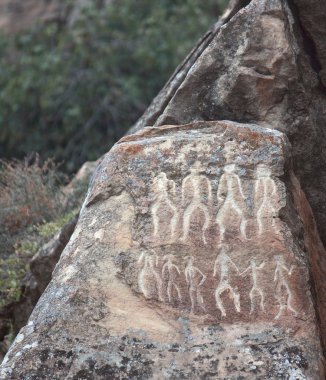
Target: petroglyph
[
  {"x": 283, "y": 292},
  {"x": 255, "y": 290},
  {"x": 225, "y": 263},
  {"x": 199, "y": 184},
  {"x": 149, "y": 279},
  {"x": 162, "y": 188},
  {"x": 228, "y": 192},
  {"x": 195, "y": 278},
  {"x": 172, "y": 272},
  {"x": 265, "y": 190}
]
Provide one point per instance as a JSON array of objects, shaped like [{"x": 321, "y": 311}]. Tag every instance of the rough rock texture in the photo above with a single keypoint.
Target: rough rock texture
[
  {"x": 15, "y": 315},
  {"x": 260, "y": 66},
  {"x": 197, "y": 254},
  {"x": 44, "y": 262},
  {"x": 188, "y": 261}
]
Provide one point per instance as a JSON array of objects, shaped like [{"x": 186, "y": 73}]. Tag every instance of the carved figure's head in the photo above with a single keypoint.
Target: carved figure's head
[
  {"x": 230, "y": 168},
  {"x": 168, "y": 257},
  {"x": 279, "y": 258},
  {"x": 196, "y": 168},
  {"x": 263, "y": 171}
]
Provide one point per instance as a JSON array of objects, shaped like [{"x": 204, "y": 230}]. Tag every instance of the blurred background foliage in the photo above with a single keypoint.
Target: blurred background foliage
[{"x": 70, "y": 89}]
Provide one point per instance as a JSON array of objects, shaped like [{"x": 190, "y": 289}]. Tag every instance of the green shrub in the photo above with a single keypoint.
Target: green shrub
[
  {"x": 70, "y": 91},
  {"x": 34, "y": 206}
]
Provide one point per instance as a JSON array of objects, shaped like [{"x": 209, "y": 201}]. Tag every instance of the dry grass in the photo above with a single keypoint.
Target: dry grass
[{"x": 29, "y": 194}]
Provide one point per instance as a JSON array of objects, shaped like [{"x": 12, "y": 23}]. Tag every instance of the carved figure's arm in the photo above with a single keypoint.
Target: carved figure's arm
[
  {"x": 183, "y": 187},
  {"x": 141, "y": 258},
  {"x": 216, "y": 264},
  {"x": 245, "y": 271},
  {"x": 261, "y": 266},
  {"x": 240, "y": 187},
  {"x": 222, "y": 189}
]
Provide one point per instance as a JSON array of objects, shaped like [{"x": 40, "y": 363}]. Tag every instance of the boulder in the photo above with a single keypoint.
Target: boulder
[
  {"x": 189, "y": 260},
  {"x": 263, "y": 65}
]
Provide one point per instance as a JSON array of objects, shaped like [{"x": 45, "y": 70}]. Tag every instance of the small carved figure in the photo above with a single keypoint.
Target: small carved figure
[
  {"x": 149, "y": 279},
  {"x": 253, "y": 269},
  {"x": 199, "y": 184},
  {"x": 265, "y": 194},
  {"x": 162, "y": 187},
  {"x": 283, "y": 292},
  {"x": 225, "y": 263},
  {"x": 228, "y": 192},
  {"x": 172, "y": 272},
  {"x": 195, "y": 279}
]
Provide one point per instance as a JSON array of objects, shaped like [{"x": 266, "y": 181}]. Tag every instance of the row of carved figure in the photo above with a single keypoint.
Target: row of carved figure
[
  {"x": 195, "y": 280},
  {"x": 229, "y": 195}
]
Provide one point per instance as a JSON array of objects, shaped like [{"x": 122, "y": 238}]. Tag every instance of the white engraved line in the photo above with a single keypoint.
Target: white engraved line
[
  {"x": 173, "y": 271},
  {"x": 227, "y": 186},
  {"x": 265, "y": 185},
  {"x": 149, "y": 268},
  {"x": 253, "y": 268},
  {"x": 161, "y": 185},
  {"x": 195, "y": 179},
  {"x": 194, "y": 284},
  {"x": 282, "y": 284},
  {"x": 224, "y": 261}
]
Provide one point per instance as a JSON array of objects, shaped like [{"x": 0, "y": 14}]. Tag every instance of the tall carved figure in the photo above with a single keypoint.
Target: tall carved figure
[
  {"x": 228, "y": 194},
  {"x": 172, "y": 272},
  {"x": 283, "y": 291},
  {"x": 255, "y": 290},
  {"x": 149, "y": 279},
  {"x": 198, "y": 185},
  {"x": 162, "y": 188},
  {"x": 195, "y": 279},
  {"x": 265, "y": 194},
  {"x": 225, "y": 263}
]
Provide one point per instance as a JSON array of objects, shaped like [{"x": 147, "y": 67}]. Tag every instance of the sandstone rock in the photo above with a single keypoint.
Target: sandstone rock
[
  {"x": 44, "y": 262},
  {"x": 263, "y": 65},
  {"x": 188, "y": 260}
]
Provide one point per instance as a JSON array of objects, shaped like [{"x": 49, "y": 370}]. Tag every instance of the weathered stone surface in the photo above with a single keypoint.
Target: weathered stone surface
[
  {"x": 45, "y": 260},
  {"x": 188, "y": 260},
  {"x": 312, "y": 16},
  {"x": 264, "y": 65}
]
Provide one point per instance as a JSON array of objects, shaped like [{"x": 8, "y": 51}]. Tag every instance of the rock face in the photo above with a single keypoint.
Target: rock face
[
  {"x": 265, "y": 65},
  {"x": 196, "y": 254},
  {"x": 188, "y": 260}
]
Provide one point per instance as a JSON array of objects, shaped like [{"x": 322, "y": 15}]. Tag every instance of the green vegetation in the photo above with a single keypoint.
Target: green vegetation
[
  {"x": 34, "y": 206},
  {"x": 70, "y": 91}
]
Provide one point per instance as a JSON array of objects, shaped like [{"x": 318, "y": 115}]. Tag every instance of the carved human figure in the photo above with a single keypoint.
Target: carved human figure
[
  {"x": 172, "y": 272},
  {"x": 228, "y": 193},
  {"x": 265, "y": 194},
  {"x": 149, "y": 279},
  {"x": 255, "y": 290},
  {"x": 283, "y": 291},
  {"x": 225, "y": 264},
  {"x": 162, "y": 188},
  {"x": 195, "y": 279},
  {"x": 198, "y": 184}
]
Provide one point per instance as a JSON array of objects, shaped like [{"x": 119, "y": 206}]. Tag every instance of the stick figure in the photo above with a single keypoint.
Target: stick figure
[
  {"x": 253, "y": 268},
  {"x": 195, "y": 279},
  {"x": 199, "y": 183},
  {"x": 265, "y": 190},
  {"x": 149, "y": 280},
  {"x": 162, "y": 186},
  {"x": 224, "y": 262},
  {"x": 283, "y": 292},
  {"x": 229, "y": 187},
  {"x": 173, "y": 273}
]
